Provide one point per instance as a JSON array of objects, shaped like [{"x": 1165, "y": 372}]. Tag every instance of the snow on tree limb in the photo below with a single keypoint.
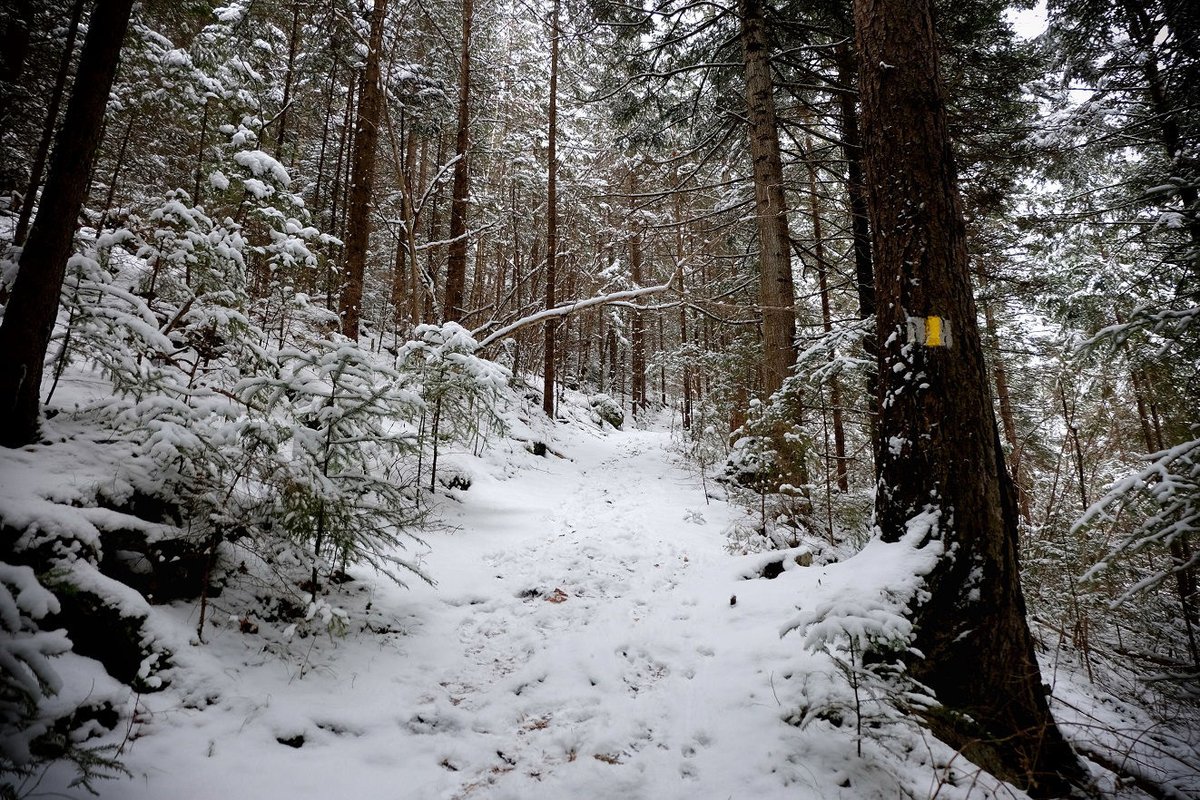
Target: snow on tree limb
[{"x": 577, "y": 305}]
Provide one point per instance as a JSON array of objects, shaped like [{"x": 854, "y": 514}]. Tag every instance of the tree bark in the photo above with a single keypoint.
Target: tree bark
[
  {"x": 776, "y": 288},
  {"x": 362, "y": 179},
  {"x": 456, "y": 262},
  {"x": 943, "y": 457},
  {"x": 1008, "y": 421},
  {"x": 33, "y": 305},
  {"x": 56, "y": 95},
  {"x": 637, "y": 324},
  {"x": 289, "y": 74},
  {"x": 551, "y": 219}
]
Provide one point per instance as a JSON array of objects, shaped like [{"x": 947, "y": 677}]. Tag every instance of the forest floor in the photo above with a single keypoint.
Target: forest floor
[{"x": 581, "y": 642}]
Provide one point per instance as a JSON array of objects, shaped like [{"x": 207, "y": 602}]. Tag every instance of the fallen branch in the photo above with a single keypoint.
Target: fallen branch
[
  {"x": 577, "y": 305},
  {"x": 1126, "y": 770}
]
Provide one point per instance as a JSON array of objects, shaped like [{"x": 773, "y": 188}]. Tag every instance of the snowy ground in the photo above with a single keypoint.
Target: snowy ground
[{"x": 580, "y": 643}]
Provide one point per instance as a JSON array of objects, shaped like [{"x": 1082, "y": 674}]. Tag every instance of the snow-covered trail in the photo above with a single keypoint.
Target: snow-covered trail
[
  {"x": 580, "y": 644},
  {"x": 598, "y": 640}
]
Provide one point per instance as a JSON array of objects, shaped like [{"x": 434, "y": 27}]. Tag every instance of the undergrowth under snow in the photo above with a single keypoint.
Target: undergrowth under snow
[{"x": 591, "y": 634}]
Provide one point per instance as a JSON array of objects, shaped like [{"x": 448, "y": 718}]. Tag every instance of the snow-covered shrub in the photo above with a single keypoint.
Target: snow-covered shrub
[
  {"x": 267, "y": 441},
  {"x": 1163, "y": 500},
  {"x": 343, "y": 469},
  {"x": 26, "y": 654},
  {"x": 767, "y": 467},
  {"x": 459, "y": 389},
  {"x": 859, "y": 615},
  {"x": 28, "y": 681}
]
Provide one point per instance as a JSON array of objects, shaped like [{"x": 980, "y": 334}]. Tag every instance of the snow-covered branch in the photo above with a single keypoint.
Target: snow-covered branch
[{"x": 576, "y": 305}]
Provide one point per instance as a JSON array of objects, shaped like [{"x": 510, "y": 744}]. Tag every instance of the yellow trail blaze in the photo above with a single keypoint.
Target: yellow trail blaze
[{"x": 933, "y": 331}]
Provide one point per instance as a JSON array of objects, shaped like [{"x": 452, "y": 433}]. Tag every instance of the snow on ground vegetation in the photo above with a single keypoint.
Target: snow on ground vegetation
[{"x": 592, "y": 633}]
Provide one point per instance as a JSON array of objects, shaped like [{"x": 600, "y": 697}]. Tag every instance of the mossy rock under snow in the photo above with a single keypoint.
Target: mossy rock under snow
[
  {"x": 105, "y": 620},
  {"x": 605, "y": 409}
]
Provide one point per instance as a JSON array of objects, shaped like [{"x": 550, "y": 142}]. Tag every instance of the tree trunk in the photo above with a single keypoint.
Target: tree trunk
[
  {"x": 835, "y": 387},
  {"x": 362, "y": 179},
  {"x": 289, "y": 74},
  {"x": 337, "y": 190},
  {"x": 637, "y": 325},
  {"x": 935, "y": 409},
  {"x": 776, "y": 289},
  {"x": 33, "y": 304},
  {"x": 456, "y": 262},
  {"x": 856, "y": 190},
  {"x": 56, "y": 95},
  {"x": 551, "y": 219},
  {"x": 1008, "y": 421}
]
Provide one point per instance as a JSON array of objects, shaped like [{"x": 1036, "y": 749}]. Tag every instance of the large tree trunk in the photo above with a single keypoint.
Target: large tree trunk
[
  {"x": 456, "y": 262},
  {"x": 776, "y": 289},
  {"x": 33, "y": 305},
  {"x": 362, "y": 179},
  {"x": 935, "y": 409}
]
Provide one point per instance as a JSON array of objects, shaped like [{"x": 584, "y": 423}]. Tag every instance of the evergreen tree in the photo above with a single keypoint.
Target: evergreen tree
[{"x": 941, "y": 473}]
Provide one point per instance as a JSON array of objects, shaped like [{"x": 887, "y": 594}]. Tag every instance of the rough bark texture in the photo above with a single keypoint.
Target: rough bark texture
[
  {"x": 456, "y": 262},
  {"x": 33, "y": 304},
  {"x": 362, "y": 179},
  {"x": 776, "y": 289},
  {"x": 934, "y": 401}
]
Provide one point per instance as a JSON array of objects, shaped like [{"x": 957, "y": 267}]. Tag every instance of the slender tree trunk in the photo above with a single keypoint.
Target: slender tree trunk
[
  {"x": 293, "y": 44},
  {"x": 637, "y": 325},
  {"x": 551, "y": 218},
  {"x": 328, "y": 117},
  {"x": 1179, "y": 548},
  {"x": 416, "y": 288},
  {"x": 1008, "y": 422},
  {"x": 860, "y": 225},
  {"x": 835, "y": 387},
  {"x": 337, "y": 190},
  {"x": 944, "y": 465},
  {"x": 56, "y": 95},
  {"x": 680, "y": 256},
  {"x": 776, "y": 288},
  {"x": 33, "y": 305},
  {"x": 199, "y": 176},
  {"x": 362, "y": 179},
  {"x": 456, "y": 262},
  {"x": 856, "y": 189},
  {"x": 1076, "y": 448},
  {"x": 118, "y": 166}
]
